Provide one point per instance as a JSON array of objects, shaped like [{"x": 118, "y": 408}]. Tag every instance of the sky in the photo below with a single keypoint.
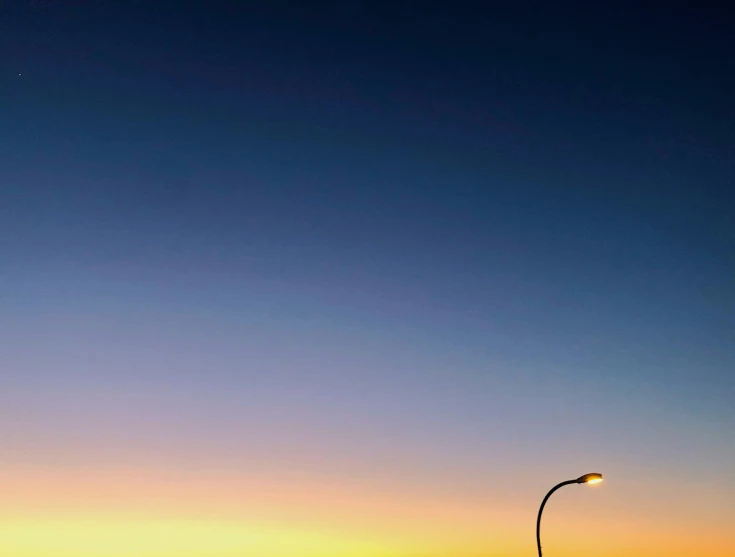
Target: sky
[{"x": 365, "y": 279}]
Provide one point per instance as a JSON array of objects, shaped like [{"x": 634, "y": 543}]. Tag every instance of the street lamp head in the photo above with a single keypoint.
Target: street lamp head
[{"x": 592, "y": 478}]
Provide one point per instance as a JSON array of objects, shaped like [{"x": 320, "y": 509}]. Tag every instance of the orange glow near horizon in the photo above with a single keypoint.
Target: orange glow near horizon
[
  {"x": 146, "y": 514},
  {"x": 116, "y": 514},
  {"x": 90, "y": 536}
]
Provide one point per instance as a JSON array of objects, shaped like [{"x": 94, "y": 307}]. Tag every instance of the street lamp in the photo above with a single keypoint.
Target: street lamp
[{"x": 591, "y": 479}]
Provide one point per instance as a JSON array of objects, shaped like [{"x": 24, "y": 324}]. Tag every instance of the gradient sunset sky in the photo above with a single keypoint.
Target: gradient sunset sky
[{"x": 365, "y": 279}]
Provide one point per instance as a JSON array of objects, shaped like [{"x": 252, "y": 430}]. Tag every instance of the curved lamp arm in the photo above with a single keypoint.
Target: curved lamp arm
[
  {"x": 541, "y": 510},
  {"x": 586, "y": 479}
]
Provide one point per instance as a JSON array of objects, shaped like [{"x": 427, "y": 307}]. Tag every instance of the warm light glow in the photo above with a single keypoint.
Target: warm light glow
[{"x": 592, "y": 478}]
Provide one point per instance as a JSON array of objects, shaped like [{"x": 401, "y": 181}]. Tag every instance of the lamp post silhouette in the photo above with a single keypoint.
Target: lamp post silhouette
[{"x": 591, "y": 479}]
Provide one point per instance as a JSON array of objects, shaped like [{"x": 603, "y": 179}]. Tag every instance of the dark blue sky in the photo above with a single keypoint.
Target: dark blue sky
[{"x": 546, "y": 192}]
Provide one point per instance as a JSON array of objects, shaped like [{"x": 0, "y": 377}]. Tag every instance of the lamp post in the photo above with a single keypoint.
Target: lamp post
[{"x": 591, "y": 479}]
